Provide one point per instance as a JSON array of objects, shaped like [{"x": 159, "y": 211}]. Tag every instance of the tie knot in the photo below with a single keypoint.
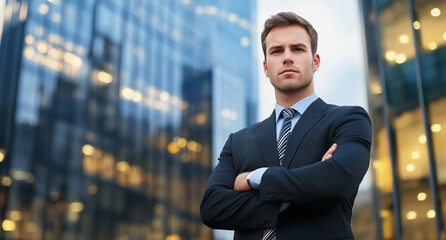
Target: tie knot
[{"x": 288, "y": 112}]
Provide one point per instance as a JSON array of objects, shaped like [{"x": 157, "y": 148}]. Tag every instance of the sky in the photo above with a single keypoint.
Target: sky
[{"x": 340, "y": 78}]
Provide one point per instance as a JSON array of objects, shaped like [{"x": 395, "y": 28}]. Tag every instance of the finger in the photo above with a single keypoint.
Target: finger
[{"x": 329, "y": 152}]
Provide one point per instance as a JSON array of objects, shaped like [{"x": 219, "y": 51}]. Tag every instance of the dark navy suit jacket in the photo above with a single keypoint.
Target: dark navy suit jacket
[{"x": 321, "y": 193}]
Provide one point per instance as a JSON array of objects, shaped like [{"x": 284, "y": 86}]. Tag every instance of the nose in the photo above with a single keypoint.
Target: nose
[{"x": 287, "y": 59}]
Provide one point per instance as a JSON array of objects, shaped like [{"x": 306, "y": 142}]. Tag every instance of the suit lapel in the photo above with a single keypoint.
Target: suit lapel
[
  {"x": 310, "y": 117},
  {"x": 266, "y": 139}
]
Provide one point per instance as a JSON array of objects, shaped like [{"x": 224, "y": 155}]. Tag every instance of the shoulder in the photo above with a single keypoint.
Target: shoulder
[{"x": 346, "y": 110}]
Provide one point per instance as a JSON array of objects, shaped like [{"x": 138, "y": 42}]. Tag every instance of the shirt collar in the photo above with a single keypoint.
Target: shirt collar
[{"x": 299, "y": 106}]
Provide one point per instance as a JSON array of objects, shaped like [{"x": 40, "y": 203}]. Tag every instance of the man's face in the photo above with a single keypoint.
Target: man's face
[{"x": 289, "y": 63}]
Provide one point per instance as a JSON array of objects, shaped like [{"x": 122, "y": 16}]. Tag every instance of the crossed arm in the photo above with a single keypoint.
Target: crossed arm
[
  {"x": 228, "y": 204},
  {"x": 241, "y": 182}
]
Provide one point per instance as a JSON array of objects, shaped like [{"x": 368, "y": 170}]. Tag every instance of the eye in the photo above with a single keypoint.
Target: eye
[
  {"x": 299, "y": 49},
  {"x": 275, "y": 51}
]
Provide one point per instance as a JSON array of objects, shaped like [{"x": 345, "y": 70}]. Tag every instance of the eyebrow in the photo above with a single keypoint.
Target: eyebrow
[{"x": 292, "y": 45}]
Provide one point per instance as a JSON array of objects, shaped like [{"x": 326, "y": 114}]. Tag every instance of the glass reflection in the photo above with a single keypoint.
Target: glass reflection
[
  {"x": 108, "y": 129},
  {"x": 431, "y": 47}
]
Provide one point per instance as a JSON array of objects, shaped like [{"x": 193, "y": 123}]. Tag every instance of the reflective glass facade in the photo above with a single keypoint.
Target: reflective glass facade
[
  {"x": 406, "y": 53},
  {"x": 110, "y": 112}
]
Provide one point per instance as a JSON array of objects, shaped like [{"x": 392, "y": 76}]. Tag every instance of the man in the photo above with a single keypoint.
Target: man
[{"x": 294, "y": 175}]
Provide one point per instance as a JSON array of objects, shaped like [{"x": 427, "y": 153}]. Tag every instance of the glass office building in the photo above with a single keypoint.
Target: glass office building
[
  {"x": 111, "y": 112},
  {"x": 406, "y": 53}
]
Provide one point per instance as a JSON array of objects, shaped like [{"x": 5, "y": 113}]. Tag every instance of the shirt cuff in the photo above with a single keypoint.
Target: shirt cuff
[{"x": 256, "y": 177}]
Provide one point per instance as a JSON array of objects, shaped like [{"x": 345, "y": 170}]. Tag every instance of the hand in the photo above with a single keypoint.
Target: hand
[
  {"x": 240, "y": 182},
  {"x": 330, "y": 152}
]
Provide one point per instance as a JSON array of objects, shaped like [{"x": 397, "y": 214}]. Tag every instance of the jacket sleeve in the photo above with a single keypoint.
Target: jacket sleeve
[
  {"x": 224, "y": 208},
  {"x": 335, "y": 179}
]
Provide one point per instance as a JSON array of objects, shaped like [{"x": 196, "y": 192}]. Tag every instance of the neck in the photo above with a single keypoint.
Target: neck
[{"x": 288, "y": 99}]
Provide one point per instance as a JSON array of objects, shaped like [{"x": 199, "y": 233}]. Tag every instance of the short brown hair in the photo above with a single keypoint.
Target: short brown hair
[{"x": 286, "y": 19}]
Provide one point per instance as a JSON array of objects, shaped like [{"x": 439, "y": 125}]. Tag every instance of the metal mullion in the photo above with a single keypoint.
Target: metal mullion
[
  {"x": 387, "y": 123},
  {"x": 433, "y": 179}
]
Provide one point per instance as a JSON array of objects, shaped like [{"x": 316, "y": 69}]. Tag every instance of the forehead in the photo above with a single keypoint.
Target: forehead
[{"x": 284, "y": 35}]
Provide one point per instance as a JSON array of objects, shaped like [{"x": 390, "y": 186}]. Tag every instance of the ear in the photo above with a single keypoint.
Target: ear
[
  {"x": 316, "y": 62},
  {"x": 265, "y": 68}
]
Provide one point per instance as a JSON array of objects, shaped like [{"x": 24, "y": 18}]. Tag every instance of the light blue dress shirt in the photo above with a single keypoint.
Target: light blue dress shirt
[{"x": 300, "y": 107}]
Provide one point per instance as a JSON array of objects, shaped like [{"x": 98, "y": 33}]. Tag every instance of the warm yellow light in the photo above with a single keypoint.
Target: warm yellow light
[
  {"x": 29, "y": 52},
  {"x": 192, "y": 146},
  {"x": 384, "y": 213},
  {"x": 411, "y": 215},
  {"x": 123, "y": 166},
  {"x": 76, "y": 207},
  {"x": 76, "y": 61},
  {"x": 42, "y": 47},
  {"x": 127, "y": 93},
  {"x": 181, "y": 142},
  {"x": 416, "y": 25},
  {"x": 390, "y": 55},
  {"x": 15, "y": 215},
  {"x": 173, "y": 237},
  {"x": 421, "y": 196},
  {"x": 55, "y": 53},
  {"x": 415, "y": 155},
  {"x": 173, "y": 148},
  {"x": 422, "y": 139},
  {"x": 200, "y": 118},
  {"x": 444, "y": 35},
  {"x": 198, "y": 148},
  {"x": 435, "y": 12},
  {"x": 6, "y": 181},
  {"x": 376, "y": 164},
  {"x": 376, "y": 88},
  {"x": 92, "y": 189},
  {"x": 410, "y": 167},
  {"x": 43, "y": 9},
  {"x": 432, "y": 46},
  {"x": 158, "y": 104},
  {"x": 8, "y": 225},
  {"x": 400, "y": 58},
  {"x": 19, "y": 174},
  {"x": 137, "y": 96},
  {"x": 104, "y": 78},
  {"x": 436, "y": 128},
  {"x": 88, "y": 150},
  {"x": 431, "y": 214},
  {"x": 2, "y": 155},
  {"x": 404, "y": 38},
  {"x": 29, "y": 39},
  {"x": 165, "y": 96}
]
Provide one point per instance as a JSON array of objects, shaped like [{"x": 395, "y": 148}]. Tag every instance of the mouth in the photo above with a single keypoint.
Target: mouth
[{"x": 288, "y": 70}]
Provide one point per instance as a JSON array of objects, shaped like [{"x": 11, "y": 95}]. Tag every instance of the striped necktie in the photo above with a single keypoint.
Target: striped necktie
[{"x": 288, "y": 114}]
